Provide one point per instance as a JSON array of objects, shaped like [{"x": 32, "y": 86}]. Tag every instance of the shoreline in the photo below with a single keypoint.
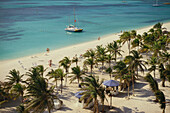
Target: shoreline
[
  {"x": 103, "y": 36},
  {"x": 58, "y": 54}
]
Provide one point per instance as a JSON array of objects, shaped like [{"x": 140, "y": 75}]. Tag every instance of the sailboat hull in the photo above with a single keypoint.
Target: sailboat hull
[
  {"x": 155, "y": 5},
  {"x": 73, "y": 30}
]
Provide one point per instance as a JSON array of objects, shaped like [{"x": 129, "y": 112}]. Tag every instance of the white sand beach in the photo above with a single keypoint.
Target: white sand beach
[{"x": 142, "y": 102}]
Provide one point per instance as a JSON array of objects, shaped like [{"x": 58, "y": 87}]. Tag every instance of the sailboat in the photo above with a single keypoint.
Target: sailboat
[
  {"x": 156, "y": 4},
  {"x": 73, "y": 28}
]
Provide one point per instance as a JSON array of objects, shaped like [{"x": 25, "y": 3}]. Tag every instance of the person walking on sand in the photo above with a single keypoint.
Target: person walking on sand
[
  {"x": 50, "y": 63},
  {"x": 99, "y": 38},
  {"x": 48, "y": 50}
]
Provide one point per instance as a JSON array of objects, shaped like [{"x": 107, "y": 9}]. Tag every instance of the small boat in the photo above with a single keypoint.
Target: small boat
[
  {"x": 156, "y": 4},
  {"x": 73, "y": 28}
]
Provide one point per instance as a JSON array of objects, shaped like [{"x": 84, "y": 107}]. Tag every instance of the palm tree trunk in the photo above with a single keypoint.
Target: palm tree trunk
[
  {"x": 56, "y": 83},
  {"x": 163, "y": 82},
  {"x": 61, "y": 84},
  {"x": 94, "y": 106},
  {"x": 78, "y": 80},
  {"x": 22, "y": 97},
  {"x": 133, "y": 84},
  {"x": 121, "y": 84},
  {"x": 102, "y": 66},
  {"x": 137, "y": 72},
  {"x": 129, "y": 47},
  {"x": 111, "y": 101},
  {"x": 115, "y": 57},
  {"x": 110, "y": 76},
  {"x": 66, "y": 77},
  {"x": 128, "y": 90},
  {"x": 154, "y": 73},
  {"x": 49, "y": 110},
  {"x": 97, "y": 107},
  {"x": 102, "y": 106},
  {"x": 91, "y": 69},
  {"x": 109, "y": 63}
]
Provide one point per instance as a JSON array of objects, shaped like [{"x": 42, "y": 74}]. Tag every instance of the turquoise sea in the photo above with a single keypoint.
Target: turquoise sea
[{"x": 30, "y": 26}]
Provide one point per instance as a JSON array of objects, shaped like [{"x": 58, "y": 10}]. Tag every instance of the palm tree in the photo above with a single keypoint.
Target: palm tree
[
  {"x": 135, "y": 62},
  {"x": 75, "y": 59},
  {"x": 151, "y": 30},
  {"x": 21, "y": 109},
  {"x": 41, "y": 96},
  {"x": 109, "y": 58},
  {"x": 158, "y": 25},
  {"x": 161, "y": 99},
  {"x": 61, "y": 75},
  {"x": 116, "y": 50},
  {"x": 18, "y": 90},
  {"x": 102, "y": 59},
  {"x": 4, "y": 92},
  {"x": 77, "y": 74},
  {"x": 159, "y": 94},
  {"x": 65, "y": 62},
  {"x": 40, "y": 69},
  {"x": 92, "y": 89},
  {"x": 33, "y": 74},
  {"x": 53, "y": 74},
  {"x": 164, "y": 73},
  {"x": 100, "y": 51},
  {"x": 133, "y": 34},
  {"x": 90, "y": 62},
  {"x": 161, "y": 70},
  {"x": 153, "y": 84},
  {"x": 109, "y": 70},
  {"x": 109, "y": 48},
  {"x": 165, "y": 57},
  {"x": 126, "y": 37},
  {"x": 89, "y": 54},
  {"x": 102, "y": 97},
  {"x": 144, "y": 48},
  {"x": 121, "y": 70},
  {"x": 156, "y": 49},
  {"x": 135, "y": 43},
  {"x": 153, "y": 61},
  {"x": 127, "y": 79},
  {"x": 14, "y": 77}
]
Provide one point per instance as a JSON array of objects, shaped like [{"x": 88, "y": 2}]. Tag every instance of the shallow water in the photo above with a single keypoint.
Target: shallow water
[{"x": 30, "y": 26}]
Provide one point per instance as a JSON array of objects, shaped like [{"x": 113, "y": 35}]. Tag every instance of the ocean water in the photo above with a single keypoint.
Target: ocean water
[{"x": 30, "y": 26}]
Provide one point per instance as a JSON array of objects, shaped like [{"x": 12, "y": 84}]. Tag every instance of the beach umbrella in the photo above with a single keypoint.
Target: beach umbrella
[
  {"x": 78, "y": 94},
  {"x": 111, "y": 83}
]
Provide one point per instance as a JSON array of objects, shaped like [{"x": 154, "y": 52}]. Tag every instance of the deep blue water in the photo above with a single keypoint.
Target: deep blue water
[{"x": 30, "y": 26}]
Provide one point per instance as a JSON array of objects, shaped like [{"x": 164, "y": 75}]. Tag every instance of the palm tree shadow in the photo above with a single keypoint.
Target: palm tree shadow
[
  {"x": 121, "y": 94},
  {"x": 66, "y": 96},
  {"x": 110, "y": 110},
  {"x": 64, "y": 108},
  {"x": 11, "y": 103},
  {"x": 107, "y": 109},
  {"x": 129, "y": 110}
]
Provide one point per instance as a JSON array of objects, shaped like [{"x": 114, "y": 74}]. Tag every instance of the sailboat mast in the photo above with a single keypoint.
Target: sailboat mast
[
  {"x": 74, "y": 18},
  {"x": 69, "y": 20},
  {"x": 156, "y": 1}
]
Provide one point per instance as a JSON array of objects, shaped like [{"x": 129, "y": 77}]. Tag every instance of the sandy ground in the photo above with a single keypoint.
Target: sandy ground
[{"x": 142, "y": 102}]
